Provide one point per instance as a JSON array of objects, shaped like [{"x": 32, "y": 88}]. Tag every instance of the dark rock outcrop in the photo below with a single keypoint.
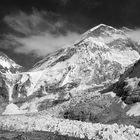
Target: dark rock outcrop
[{"x": 128, "y": 86}]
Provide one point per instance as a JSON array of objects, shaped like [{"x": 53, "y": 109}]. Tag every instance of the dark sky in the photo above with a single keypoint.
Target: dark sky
[
  {"x": 115, "y": 12},
  {"x": 80, "y": 16}
]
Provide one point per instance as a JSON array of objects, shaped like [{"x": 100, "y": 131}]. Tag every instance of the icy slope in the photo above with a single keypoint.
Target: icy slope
[{"x": 94, "y": 62}]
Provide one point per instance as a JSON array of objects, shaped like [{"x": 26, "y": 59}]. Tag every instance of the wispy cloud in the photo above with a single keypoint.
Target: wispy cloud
[
  {"x": 38, "y": 32},
  {"x": 45, "y": 43},
  {"x": 134, "y": 35}
]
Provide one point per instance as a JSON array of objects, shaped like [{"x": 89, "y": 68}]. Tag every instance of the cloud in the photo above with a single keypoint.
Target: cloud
[
  {"x": 38, "y": 32},
  {"x": 134, "y": 35},
  {"x": 41, "y": 45},
  {"x": 35, "y": 22},
  {"x": 64, "y": 2}
]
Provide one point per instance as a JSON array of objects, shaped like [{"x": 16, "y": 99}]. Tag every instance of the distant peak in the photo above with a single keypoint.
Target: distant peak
[
  {"x": 99, "y": 26},
  {"x": 102, "y": 30},
  {"x": 7, "y": 65}
]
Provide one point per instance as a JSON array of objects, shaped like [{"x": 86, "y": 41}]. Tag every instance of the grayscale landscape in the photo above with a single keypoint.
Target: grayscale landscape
[{"x": 76, "y": 83}]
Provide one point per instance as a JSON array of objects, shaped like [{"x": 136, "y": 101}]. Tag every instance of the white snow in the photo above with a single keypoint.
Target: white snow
[
  {"x": 12, "y": 109},
  {"x": 5, "y": 63},
  {"x": 112, "y": 94},
  {"x": 125, "y": 57},
  {"x": 98, "y": 26},
  {"x": 10, "y": 90},
  {"x": 134, "y": 110}
]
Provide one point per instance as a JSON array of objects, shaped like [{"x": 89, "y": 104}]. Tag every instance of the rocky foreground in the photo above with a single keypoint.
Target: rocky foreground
[{"x": 59, "y": 127}]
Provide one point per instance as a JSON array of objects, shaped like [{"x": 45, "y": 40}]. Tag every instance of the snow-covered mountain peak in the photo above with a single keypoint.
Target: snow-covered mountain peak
[
  {"x": 101, "y": 38},
  {"x": 103, "y": 28},
  {"x": 7, "y": 65},
  {"x": 103, "y": 31}
]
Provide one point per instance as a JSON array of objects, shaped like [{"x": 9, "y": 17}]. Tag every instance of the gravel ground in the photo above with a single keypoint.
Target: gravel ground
[{"x": 63, "y": 127}]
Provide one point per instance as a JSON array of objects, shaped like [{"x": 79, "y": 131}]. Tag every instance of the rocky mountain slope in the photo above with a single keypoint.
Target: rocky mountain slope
[
  {"x": 94, "y": 80},
  {"x": 128, "y": 88}
]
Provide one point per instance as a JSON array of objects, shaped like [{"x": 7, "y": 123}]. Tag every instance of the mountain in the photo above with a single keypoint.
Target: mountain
[
  {"x": 96, "y": 80},
  {"x": 7, "y": 65},
  {"x": 91, "y": 64}
]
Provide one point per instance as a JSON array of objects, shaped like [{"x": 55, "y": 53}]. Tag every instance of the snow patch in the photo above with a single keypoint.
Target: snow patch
[
  {"x": 134, "y": 110},
  {"x": 4, "y": 63},
  {"x": 112, "y": 94},
  {"x": 125, "y": 57},
  {"x": 12, "y": 109}
]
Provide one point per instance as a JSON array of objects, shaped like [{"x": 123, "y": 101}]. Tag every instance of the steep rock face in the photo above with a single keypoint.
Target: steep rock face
[
  {"x": 92, "y": 63},
  {"x": 128, "y": 89},
  {"x": 128, "y": 86}
]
